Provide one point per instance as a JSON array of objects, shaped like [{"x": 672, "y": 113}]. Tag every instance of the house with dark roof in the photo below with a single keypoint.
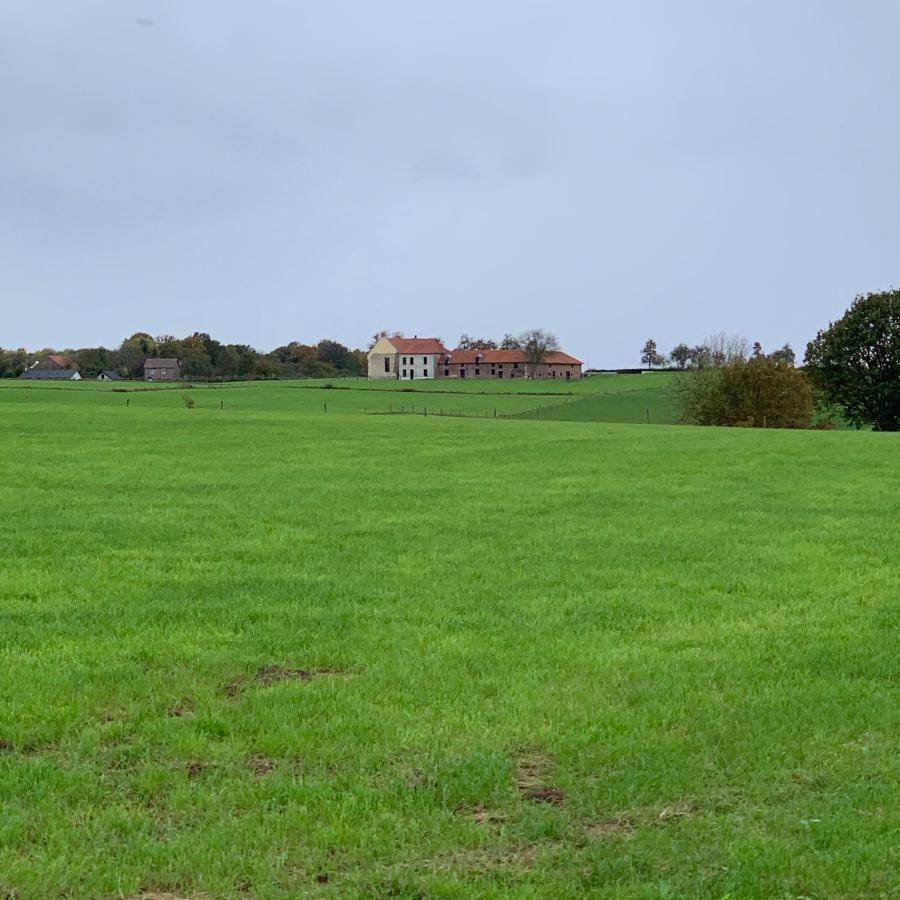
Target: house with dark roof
[
  {"x": 109, "y": 375},
  {"x": 51, "y": 375},
  {"x": 411, "y": 358},
  {"x": 159, "y": 369}
]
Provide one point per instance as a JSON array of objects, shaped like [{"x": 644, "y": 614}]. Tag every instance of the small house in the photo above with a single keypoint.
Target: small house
[{"x": 157, "y": 369}]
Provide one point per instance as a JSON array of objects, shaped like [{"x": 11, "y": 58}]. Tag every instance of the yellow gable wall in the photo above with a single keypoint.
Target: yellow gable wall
[{"x": 383, "y": 345}]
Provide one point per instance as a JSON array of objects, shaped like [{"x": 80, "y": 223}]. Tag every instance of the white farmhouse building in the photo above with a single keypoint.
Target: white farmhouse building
[{"x": 406, "y": 358}]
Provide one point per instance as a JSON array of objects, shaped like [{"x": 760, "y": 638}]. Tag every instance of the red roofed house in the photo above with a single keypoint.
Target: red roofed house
[{"x": 411, "y": 358}]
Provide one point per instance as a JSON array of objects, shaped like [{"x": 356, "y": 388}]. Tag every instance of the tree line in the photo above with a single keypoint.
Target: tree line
[
  {"x": 851, "y": 369},
  {"x": 202, "y": 358},
  {"x": 714, "y": 351}
]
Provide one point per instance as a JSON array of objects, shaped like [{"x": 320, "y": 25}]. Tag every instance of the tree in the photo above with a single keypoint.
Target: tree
[
  {"x": 855, "y": 362},
  {"x": 134, "y": 350},
  {"x": 91, "y": 361},
  {"x": 785, "y": 354},
  {"x": 333, "y": 354},
  {"x": 510, "y": 342},
  {"x": 383, "y": 333},
  {"x": 650, "y": 356},
  {"x": 757, "y": 393},
  {"x": 757, "y": 348},
  {"x": 536, "y": 343},
  {"x": 681, "y": 355}
]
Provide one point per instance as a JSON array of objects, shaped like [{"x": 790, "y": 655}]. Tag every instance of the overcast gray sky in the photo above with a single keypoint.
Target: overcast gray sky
[{"x": 284, "y": 170}]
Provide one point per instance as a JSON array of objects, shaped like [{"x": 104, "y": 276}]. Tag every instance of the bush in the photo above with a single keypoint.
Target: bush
[{"x": 757, "y": 393}]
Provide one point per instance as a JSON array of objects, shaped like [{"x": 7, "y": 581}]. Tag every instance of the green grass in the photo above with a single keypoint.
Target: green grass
[{"x": 684, "y": 639}]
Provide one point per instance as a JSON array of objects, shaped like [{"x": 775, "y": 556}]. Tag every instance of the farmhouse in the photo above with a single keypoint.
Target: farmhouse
[
  {"x": 157, "y": 369},
  {"x": 509, "y": 364},
  {"x": 411, "y": 358},
  {"x": 109, "y": 375},
  {"x": 406, "y": 358}
]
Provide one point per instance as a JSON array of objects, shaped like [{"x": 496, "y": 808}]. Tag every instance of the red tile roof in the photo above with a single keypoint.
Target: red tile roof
[
  {"x": 59, "y": 359},
  {"x": 491, "y": 357},
  {"x": 417, "y": 345}
]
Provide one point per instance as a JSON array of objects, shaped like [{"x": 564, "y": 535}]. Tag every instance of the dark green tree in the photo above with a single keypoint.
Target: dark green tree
[{"x": 855, "y": 362}]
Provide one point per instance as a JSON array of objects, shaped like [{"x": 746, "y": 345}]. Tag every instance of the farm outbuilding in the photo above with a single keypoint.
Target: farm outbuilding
[{"x": 50, "y": 375}]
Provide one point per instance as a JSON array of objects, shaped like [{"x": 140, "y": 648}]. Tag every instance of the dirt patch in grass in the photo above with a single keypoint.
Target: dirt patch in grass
[
  {"x": 481, "y": 814},
  {"x": 195, "y": 768},
  {"x": 180, "y": 708},
  {"x": 272, "y": 674},
  {"x": 681, "y": 810},
  {"x": 261, "y": 765},
  {"x": 607, "y": 827},
  {"x": 6, "y": 747},
  {"x": 532, "y": 779}
]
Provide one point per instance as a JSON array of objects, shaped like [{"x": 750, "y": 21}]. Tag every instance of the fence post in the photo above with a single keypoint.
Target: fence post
[
  {"x": 324, "y": 407},
  {"x": 648, "y": 416},
  {"x": 127, "y": 401}
]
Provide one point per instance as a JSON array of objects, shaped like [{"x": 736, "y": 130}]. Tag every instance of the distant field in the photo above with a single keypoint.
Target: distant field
[
  {"x": 269, "y": 651},
  {"x": 500, "y": 397}
]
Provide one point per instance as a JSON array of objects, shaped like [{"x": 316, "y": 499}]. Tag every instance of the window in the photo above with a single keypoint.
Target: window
[
  {"x": 387, "y": 364},
  {"x": 446, "y": 373},
  {"x": 404, "y": 373},
  {"x": 493, "y": 371},
  {"x": 424, "y": 373},
  {"x": 500, "y": 365},
  {"x": 163, "y": 371},
  {"x": 404, "y": 360},
  {"x": 554, "y": 373},
  {"x": 478, "y": 371},
  {"x": 462, "y": 372},
  {"x": 515, "y": 365},
  {"x": 425, "y": 360},
  {"x": 501, "y": 374},
  {"x": 568, "y": 373}
]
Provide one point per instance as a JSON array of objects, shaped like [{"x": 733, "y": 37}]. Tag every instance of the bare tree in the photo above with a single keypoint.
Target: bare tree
[
  {"x": 681, "y": 355},
  {"x": 650, "y": 356},
  {"x": 510, "y": 342},
  {"x": 722, "y": 349},
  {"x": 536, "y": 344}
]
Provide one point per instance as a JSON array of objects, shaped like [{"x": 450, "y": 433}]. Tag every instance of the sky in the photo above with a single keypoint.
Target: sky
[{"x": 287, "y": 170}]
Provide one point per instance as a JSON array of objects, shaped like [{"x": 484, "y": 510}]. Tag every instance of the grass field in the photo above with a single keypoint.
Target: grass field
[{"x": 265, "y": 651}]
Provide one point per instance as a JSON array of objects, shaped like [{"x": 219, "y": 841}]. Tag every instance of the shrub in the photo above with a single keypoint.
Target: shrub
[{"x": 757, "y": 393}]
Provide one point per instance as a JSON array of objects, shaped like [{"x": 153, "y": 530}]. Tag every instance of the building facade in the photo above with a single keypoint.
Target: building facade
[
  {"x": 510, "y": 364},
  {"x": 407, "y": 359},
  {"x": 156, "y": 369}
]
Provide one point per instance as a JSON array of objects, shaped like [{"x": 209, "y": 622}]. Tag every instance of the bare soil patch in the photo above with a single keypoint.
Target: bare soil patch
[
  {"x": 274, "y": 673},
  {"x": 261, "y": 765},
  {"x": 481, "y": 814},
  {"x": 180, "y": 708},
  {"x": 607, "y": 827},
  {"x": 195, "y": 768},
  {"x": 532, "y": 780},
  {"x": 6, "y": 746}
]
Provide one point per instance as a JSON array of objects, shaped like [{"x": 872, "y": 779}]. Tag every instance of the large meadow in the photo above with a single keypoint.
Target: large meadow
[{"x": 282, "y": 639}]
